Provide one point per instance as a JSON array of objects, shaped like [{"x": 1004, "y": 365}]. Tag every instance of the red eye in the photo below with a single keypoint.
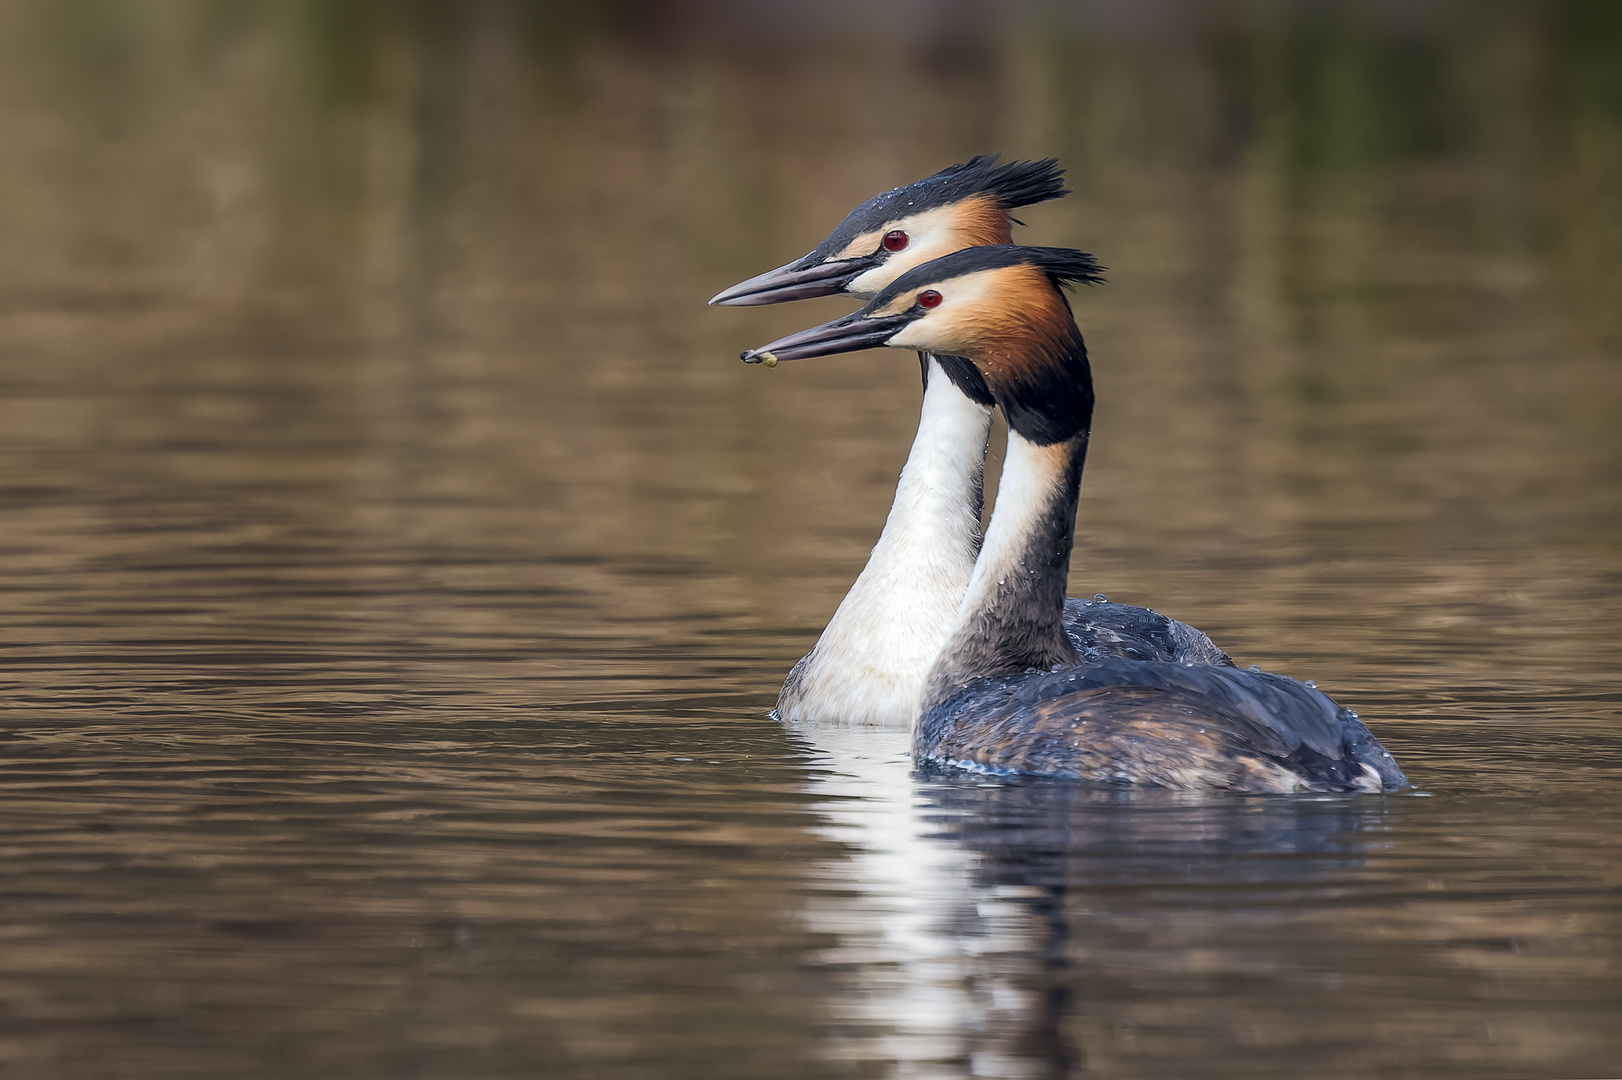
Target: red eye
[
  {"x": 929, "y": 298},
  {"x": 895, "y": 240}
]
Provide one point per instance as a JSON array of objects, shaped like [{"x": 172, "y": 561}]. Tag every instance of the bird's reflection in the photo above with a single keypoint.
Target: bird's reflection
[{"x": 997, "y": 926}]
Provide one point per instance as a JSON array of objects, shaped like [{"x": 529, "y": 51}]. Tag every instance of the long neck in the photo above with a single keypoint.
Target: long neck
[
  {"x": 1012, "y": 615},
  {"x": 934, "y": 520},
  {"x": 869, "y": 665},
  {"x": 1012, "y": 618}
]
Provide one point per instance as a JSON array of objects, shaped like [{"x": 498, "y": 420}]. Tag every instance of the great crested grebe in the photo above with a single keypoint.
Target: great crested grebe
[
  {"x": 869, "y": 664},
  {"x": 1008, "y": 691}
]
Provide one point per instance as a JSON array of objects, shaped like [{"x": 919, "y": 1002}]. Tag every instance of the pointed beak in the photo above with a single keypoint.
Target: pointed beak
[
  {"x": 849, "y": 334},
  {"x": 793, "y": 282}
]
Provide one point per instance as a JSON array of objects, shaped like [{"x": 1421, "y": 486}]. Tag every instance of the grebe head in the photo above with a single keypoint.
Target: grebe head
[
  {"x": 1003, "y": 308},
  {"x": 961, "y": 206}
]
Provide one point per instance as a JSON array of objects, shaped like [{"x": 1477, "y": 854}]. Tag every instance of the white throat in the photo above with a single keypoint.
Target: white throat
[
  {"x": 1025, "y": 493},
  {"x": 868, "y": 668}
]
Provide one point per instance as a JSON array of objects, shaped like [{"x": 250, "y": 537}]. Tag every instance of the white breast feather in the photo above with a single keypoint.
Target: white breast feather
[{"x": 869, "y": 665}]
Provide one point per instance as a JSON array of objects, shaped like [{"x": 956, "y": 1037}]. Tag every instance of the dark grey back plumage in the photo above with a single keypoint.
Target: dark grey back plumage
[
  {"x": 1170, "y": 724},
  {"x": 1101, "y": 631}
]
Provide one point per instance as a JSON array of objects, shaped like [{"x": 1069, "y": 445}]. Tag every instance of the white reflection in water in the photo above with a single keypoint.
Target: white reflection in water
[{"x": 922, "y": 937}]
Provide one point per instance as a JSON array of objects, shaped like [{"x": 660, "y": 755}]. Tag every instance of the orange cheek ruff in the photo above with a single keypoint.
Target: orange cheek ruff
[
  {"x": 1021, "y": 334},
  {"x": 982, "y": 222}
]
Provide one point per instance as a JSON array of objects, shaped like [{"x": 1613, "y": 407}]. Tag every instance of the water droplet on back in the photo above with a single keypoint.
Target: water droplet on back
[
  {"x": 1255, "y": 667},
  {"x": 1312, "y": 684},
  {"x": 1100, "y": 597}
]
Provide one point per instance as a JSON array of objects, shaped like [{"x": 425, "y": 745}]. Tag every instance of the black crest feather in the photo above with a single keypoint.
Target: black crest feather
[
  {"x": 1021, "y": 183},
  {"x": 1018, "y": 183}
]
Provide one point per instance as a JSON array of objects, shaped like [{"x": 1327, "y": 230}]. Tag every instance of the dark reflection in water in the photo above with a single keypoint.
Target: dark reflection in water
[
  {"x": 398, "y": 567},
  {"x": 1143, "y": 898},
  {"x": 1034, "y": 928}
]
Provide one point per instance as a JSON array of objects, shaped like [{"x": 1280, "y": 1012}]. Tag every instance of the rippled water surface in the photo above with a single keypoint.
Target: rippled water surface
[{"x": 399, "y": 567}]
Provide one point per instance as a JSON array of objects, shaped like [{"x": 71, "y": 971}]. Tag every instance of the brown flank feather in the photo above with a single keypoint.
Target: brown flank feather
[{"x": 1124, "y": 733}]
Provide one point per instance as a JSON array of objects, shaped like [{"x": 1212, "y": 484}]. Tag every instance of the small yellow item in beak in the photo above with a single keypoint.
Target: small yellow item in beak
[{"x": 768, "y": 359}]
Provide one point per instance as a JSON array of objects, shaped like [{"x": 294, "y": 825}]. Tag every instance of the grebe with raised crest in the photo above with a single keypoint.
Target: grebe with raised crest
[
  {"x": 1008, "y": 691},
  {"x": 868, "y": 665}
]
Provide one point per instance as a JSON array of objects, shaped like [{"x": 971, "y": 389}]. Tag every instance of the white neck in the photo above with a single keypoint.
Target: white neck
[
  {"x": 868, "y": 668},
  {"x": 1025, "y": 492}
]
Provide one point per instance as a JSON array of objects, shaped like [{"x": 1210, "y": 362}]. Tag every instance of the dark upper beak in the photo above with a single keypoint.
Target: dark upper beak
[
  {"x": 849, "y": 334},
  {"x": 794, "y": 281}
]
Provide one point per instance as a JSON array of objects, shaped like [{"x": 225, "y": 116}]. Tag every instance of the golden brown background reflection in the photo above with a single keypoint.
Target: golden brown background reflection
[{"x": 399, "y": 565}]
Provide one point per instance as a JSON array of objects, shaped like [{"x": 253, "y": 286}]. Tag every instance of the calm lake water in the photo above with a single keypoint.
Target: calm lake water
[{"x": 399, "y": 567}]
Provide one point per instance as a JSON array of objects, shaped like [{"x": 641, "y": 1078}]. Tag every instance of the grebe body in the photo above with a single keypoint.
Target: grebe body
[
  {"x": 1009, "y": 690},
  {"x": 868, "y": 665},
  {"x": 1166, "y": 724}
]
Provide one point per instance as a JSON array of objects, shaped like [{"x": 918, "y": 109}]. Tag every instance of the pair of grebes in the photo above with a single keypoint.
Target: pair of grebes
[{"x": 972, "y": 641}]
